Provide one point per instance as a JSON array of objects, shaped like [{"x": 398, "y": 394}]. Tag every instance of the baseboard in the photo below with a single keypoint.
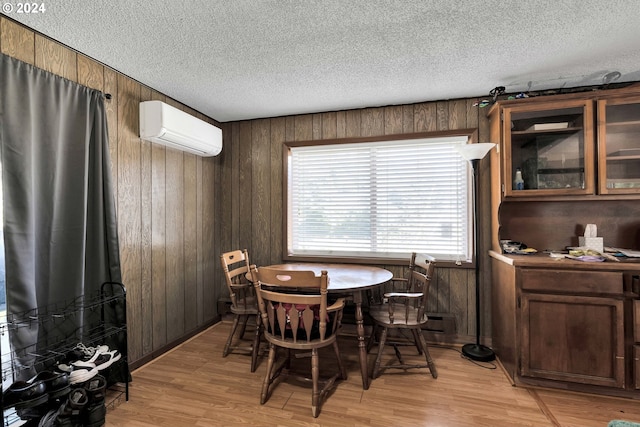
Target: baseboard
[{"x": 169, "y": 346}]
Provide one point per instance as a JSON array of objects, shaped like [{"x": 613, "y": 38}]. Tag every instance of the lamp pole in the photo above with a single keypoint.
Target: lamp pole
[
  {"x": 474, "y": 153},
  {"x": 477, "y": 351}
]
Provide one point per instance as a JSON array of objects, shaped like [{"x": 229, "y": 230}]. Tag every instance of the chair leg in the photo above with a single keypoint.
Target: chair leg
[
  {"x": 425, "y": 349},
  {"x": 227, "y": 346},
  {"x": 256, "y": 344},
  {"x": 372, "y": 337},
  {"x": 343, "y": 371},
  {"x": 416, "y": 340},
  {"x": 315, "y": 376},
  {"x": 376, "y": 366},
  {"x": 287, "y": 364},
  {"x": 243, "y": 328},
  {"x": 267, "y": 378}
]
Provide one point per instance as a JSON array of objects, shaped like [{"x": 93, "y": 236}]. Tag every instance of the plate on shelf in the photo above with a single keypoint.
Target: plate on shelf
[
  {"x": 549, "y": 126},
  {"x": 527, "y": 251}
]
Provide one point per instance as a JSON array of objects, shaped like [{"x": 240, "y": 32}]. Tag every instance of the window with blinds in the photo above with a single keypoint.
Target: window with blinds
[{"x": 381, "y": 199}]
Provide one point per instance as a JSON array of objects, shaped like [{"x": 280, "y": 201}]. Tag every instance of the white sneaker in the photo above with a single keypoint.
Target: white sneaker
[
  {"x": 90, "y": 352},
  {"x": 107, "y": 359},
  {"x": 81, "y": 374}
]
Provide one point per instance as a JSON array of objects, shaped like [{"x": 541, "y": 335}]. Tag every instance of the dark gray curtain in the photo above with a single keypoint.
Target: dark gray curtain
[{"x": 60, "y": 233}]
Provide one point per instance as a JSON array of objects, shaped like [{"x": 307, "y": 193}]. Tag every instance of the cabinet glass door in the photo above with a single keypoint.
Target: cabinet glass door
[
  {"x": 551, "y": 145},
  {"x": 619, "y": 146}
]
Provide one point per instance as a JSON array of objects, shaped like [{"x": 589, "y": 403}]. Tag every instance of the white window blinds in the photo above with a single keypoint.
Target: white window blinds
[{"x": 380, "y": 199}]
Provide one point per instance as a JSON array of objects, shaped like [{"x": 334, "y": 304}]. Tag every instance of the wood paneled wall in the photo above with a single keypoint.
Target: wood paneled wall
[
  {"x": 177, "y": 212},
  {"x": 165, "y": 199},
  {"x": 251, "y": 205}
]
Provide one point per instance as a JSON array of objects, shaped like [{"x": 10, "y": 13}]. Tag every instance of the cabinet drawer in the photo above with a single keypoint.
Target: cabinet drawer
[
  {"x": 636, "y": 320},
  {"x": 592, "y": 282},
  {"x": 636, "y": 366}
]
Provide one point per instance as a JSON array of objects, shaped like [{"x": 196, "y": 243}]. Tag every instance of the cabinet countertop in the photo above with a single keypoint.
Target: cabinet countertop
[{"x": 542, "y": 260}]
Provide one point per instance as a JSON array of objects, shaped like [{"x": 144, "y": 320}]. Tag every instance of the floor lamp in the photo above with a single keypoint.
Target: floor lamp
[{"x": 474, "y": 153}]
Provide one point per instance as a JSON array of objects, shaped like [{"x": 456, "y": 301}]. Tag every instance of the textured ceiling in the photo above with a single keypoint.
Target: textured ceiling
[{"x": 244, "y": 59}]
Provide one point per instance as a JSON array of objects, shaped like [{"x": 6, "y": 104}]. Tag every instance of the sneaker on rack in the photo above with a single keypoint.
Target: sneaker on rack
[
  {"x": 89, "y": 352},
  {"x": 81, "y": 374},
  {"x": 107, "y": 359},
  {"x": 80, "y": 353}
]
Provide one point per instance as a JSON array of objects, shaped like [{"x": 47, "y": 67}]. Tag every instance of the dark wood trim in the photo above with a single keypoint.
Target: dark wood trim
[{"x": 472, "y": 133}]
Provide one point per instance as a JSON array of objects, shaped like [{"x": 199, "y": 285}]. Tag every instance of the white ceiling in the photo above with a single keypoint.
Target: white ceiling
[{"x": 245, "y": 59}]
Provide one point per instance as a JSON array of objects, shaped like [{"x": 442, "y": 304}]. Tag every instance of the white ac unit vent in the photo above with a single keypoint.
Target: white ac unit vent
[{"x": 166, "y": 125}]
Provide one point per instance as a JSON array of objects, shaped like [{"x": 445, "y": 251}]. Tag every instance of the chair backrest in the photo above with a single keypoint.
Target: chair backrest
[
  {"x": 421, "y": 269},
  {"x": 293, "y": 304},
  {"x": 235, "y": 265}
]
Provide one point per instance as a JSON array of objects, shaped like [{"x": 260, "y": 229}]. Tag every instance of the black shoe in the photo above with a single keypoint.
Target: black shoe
[
  {"x": 22, "y": 394},
  {"x": 94, "y": 415},
  {"x": 56, "y": 383},
  {"x": 70, "y": 413},
  {"x": 96, "y": 411},
  {"x": 95, "y": 388}
]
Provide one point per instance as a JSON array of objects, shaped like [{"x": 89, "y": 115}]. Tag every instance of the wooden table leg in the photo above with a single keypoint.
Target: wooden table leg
[{"x": 362, "y": 345}]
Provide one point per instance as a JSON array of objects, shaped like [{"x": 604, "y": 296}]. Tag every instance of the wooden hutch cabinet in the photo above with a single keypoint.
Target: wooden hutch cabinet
[
  {"x": 619, "y": 145},
  {"x": 561, "y": 322}
]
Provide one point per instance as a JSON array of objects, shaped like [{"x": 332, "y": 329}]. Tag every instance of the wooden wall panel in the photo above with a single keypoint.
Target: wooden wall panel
[
  {"x": 303, "y": 128},
  {"x": 341, "y": 124},
  {"x": 393, "y": 120},
  {"x": 352, "y": 124},
  {"x": 457, "y": 114},
  {"x": 372, "y": 122},
  {"x": 316, "y": 132},
  {"x": 158, "y": 242},
  {"x": 90, "y": 73},
  {"x": 146, "y": 237},
  {"x": 56, "y": 58},
  {"x": 228, "y": 194},
  {"x": 460, "y": 299},
  {"x": 261, "y": 192},
  {"x": 111, "y": 105},
  {"x": 190, "y": 242},
  {"x": 425, "y": 117},
  {"x": 408, "y": 116},
  {"x": 129, "y": 214},
  {"x": 442, "y": 115},
  {"x": 17, "y": 41},
  {"x": 212, "y": 272},
  {"x": 175, "y": 279},
  {"x": 245, "y": 204},
  {"x": 277, "y": 137},
  {"x": 233, "y": 165},
  {"x": 199, "y": 261},
  {"x": 329, "y": 125}
]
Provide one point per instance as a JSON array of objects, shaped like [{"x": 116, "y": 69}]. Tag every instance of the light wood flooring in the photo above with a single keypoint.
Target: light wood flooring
[{"x": 193, "y": 385}]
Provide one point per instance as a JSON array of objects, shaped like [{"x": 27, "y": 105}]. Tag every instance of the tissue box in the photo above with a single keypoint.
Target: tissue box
[{"x": 595, "y": 243}]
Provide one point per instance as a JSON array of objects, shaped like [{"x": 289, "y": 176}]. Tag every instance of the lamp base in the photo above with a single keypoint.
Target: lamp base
[{"x": 478, "y": 352}]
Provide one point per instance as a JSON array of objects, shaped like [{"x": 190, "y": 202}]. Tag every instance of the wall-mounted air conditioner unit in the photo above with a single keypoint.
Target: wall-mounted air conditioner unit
[{"x": 166, "y": 125}]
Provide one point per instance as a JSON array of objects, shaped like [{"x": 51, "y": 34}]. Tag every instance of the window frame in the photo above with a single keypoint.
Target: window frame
[{"x": 472, "y": 136}]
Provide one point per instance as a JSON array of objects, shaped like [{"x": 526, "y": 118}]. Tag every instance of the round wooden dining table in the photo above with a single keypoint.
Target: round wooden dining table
[{"x": 350, "y": 279}]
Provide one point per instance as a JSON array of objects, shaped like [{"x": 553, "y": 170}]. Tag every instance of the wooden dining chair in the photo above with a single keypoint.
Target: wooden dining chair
[
  {"x": 404, "y": 309},
  {"x": 244, "y": 305},
  {"x": 295, "y": 316}
]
